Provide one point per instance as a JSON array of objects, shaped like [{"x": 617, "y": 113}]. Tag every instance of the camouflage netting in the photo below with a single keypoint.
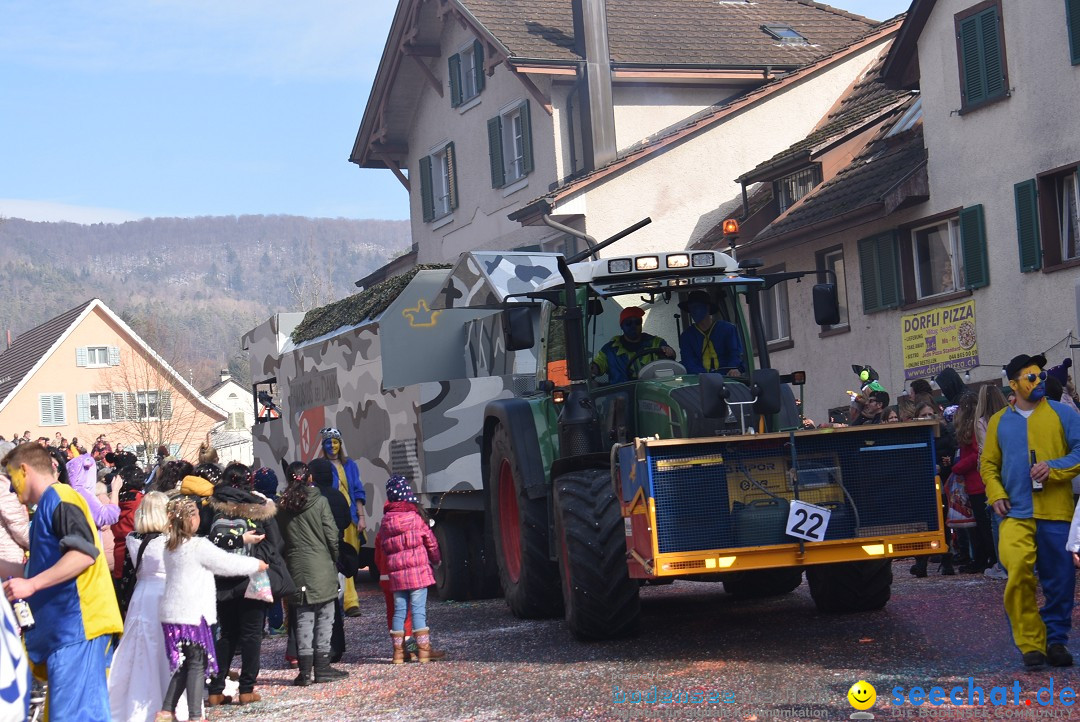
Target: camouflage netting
[{"x": 358, "y": 307}]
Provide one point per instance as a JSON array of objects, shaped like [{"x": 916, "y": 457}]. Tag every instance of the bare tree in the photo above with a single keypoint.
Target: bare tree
[
  {"x": 311, "y": 287},
  {"x": 151, "y": 408}
]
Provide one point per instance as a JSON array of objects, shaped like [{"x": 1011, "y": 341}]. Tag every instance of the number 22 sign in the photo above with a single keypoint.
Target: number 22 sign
[{"x": 807, "y": 521}]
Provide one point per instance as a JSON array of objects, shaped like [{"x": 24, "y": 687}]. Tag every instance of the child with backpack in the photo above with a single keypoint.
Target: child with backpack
[
  {"x": 189, "y": 604},
  {"x": 410, "y": 550}
]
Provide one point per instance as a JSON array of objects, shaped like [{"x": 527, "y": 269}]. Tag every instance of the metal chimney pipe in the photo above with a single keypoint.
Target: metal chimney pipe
[{"x": 598, "y": 108}]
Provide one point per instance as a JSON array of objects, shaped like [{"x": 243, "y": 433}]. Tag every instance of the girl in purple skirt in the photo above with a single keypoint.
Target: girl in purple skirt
[{"x": 189, "y": 604}]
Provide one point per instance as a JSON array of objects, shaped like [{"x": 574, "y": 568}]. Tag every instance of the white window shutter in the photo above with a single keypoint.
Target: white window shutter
[
  {"x": 45, "y": 410},
  {"x": 80, "y": 357},
  {"x": 82, "y": 401},
  {"x": 118, "y": 408},
  {"x": 165, "y": 404},
  {"x": 59, "y": 409},
  {"x": 114, "y": 355}
]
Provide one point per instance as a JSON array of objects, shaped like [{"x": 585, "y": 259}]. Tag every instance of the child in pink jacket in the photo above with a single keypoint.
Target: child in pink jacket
[{"x": 410, "y": 549}]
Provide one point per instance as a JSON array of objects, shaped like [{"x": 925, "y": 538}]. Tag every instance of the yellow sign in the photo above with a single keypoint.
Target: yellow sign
[
  {"x": 938, "y": 338},
  {"x": 421, "y": 316}
]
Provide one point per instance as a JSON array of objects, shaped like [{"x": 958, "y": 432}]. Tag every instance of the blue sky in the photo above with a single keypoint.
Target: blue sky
[{"x": 115, "y": 110}]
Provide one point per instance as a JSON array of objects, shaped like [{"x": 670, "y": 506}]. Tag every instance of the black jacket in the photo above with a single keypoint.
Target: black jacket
[{"x": 232, "y": 503}]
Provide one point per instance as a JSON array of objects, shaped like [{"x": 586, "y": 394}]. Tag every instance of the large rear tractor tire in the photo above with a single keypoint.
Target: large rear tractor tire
[
  {"x": 600, "y": 598},
  {"x": 452, "y": 576},
  {"x": 762, "y": 583},
  {"x": 530, "y": 580},
  {"x": 850, "y": 586}
]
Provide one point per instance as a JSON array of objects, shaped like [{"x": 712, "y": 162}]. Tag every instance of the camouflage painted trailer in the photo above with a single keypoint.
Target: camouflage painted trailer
[{"x": 404, "y": 370}]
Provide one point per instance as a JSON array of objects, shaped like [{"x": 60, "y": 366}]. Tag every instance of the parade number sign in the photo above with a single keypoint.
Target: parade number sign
[
  {"x": 938, "y": 338},
  {"x": 807, "y": 521}
]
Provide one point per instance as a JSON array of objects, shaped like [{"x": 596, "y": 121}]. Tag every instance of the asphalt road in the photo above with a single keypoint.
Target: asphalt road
[{"x": 763, "y": 660}]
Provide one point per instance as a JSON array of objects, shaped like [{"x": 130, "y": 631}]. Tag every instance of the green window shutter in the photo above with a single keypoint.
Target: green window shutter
[
  {"x": 81, "y": 357},
  {"x": 1072, "y": 22},
  {"x": 983, "y": 71},
  {"x": 427, "y": 197},
  {"x": 989, "y": 29},
  {"x": 526, "y": 140},
  {"x": 973, "y": 243},
  {"x": 1027, "y": 225},
  {"x": 455, "y": 79},
  {"x": 879, "y": 266},
  {"x": 82, "y": 403},
  {"x": 478, "y": 61},
  {"x": 973, "y": 87},
  {"x": 495, "y": 152},
  {"x": 451, "y": 166}
]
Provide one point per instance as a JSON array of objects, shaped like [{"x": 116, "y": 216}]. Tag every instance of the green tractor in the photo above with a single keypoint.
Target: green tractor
[{"x": 594, "y": 488}]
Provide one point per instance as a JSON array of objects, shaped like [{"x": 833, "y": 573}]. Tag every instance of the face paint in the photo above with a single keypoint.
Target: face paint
[
  {"x": 631, "y": 328},
  {"x": 1028, "y": 384},
  {"x": 698, "y": 312},
  {"x": 18, "y": 481},
  {"x": 332, "y": 447}
]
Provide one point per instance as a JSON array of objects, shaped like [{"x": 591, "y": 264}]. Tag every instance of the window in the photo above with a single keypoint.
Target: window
[
  {"x": 97, "y": 356},
  {"x": 774, "y": 311},
  {"x": 466, "y": 73},
  {"x": 438, "y": 183},
  {"x": 937, "y": 265},
  {"x": 236, "y": 421},
  {"x": 147, "y": 404},
  {"x": 832, "y": 259},
  {"x": 51, "y": 410},
  {"x": 1048, "y": 219},
  {"x": 510, "y": 145},
  {"x": 791, "y": 188},
  {"x": 785, "y": 34},
  {"x": 1072, "y": 22},
  {"x": 95, "y": 407},
  {"x": 980, "y": 47}
]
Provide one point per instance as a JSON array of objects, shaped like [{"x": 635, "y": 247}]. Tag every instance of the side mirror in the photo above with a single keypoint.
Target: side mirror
[
  {"x": 713, "y": 396},
  {"x": 826, "y": 304},
  {"x": 596, "y": 307},
  {"x": 518, "y": 328},
  {"x": 766, "y": 390}
]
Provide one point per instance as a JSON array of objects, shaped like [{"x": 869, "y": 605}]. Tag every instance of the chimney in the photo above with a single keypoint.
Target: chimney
[
  {"x": 225, "y": 375},
  {"x": 9, "y": 338},
  {"x": 597, "y": 108}
]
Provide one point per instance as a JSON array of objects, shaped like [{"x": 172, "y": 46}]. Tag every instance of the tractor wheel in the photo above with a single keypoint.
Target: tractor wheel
[
  {"x": 600, "y": 598},
  {"x": 483, "y": 569},
  {"x": 762, "y": 583},
  {"x": 452, "y": 576},
  {"x": 530, "y": 580},
  {"x": 850, "y": 586}
]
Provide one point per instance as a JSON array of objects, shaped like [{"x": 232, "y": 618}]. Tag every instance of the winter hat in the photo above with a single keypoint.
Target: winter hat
[
  {"x": 266, "y": 482},
  {"x": 1061, "y": 371},
  {"x": 322, "y": 473},
  {"x": 631, "y": 312},
  {"x": 398, "y": 489},
  {"x": 330, "y": 433},
  {"x": 699, "y": 297}
]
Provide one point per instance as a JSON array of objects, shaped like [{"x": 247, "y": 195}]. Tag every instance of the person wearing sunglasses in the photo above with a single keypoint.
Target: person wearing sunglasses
[
  {"x": 1031, "y": 454},
  {"x": 623, "y": 356}
]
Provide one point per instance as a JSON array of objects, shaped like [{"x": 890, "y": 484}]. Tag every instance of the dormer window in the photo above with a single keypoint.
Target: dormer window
[
  {"x": 466, "y": 73},
  {"x": 785, "y": 34},
  {"x": 791, "y": 188}
]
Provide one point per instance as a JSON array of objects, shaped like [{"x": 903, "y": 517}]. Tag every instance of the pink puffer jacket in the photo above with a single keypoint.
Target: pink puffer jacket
[{"x": 409, "y": 546}]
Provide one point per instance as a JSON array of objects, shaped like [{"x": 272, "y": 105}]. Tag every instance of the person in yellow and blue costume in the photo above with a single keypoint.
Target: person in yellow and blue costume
[
  {"x": 1031, "y": 454},
  {"x": 616, "y": 358},
  {"x": 347, "y": 477},
  {"x": 69, "y": 589},
  {"x": 709, "y": 344}
]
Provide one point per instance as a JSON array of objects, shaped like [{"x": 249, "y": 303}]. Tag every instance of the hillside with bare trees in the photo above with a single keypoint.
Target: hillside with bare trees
[{"x": 189, "y": 286}]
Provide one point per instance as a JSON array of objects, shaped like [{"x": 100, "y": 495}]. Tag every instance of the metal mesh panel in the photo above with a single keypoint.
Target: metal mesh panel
[
  {"x": 404, "y": 460},
  {"x": 523, "y": 384},
  {"x": 729, "y": 494}
]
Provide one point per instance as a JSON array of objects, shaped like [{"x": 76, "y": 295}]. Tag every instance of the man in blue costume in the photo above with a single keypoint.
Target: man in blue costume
[
  {"x": 709, "y": 344},
  {"x": 623, "y": 356}
]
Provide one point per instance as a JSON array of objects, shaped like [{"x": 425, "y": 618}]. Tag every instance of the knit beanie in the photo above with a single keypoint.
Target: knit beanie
[{"x": 398, "y": 489}]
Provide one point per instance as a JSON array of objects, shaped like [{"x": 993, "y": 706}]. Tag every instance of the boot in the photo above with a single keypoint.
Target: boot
[
  {"x": 304, "y": 678},
  {"x": 398, "y": 638},
  {"x": 216, "y": 700},
  {"x": 423, "y": 641},
  {"x": 918, "y": 569},
  {"x": 946, "y": 567},
  {"x": 249, "y": 697},
  {"x": 324, "y": 672}
]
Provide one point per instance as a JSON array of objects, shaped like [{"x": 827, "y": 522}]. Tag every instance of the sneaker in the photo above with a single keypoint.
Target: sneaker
[
  {"x": 1058, "y": 655},
  {"x": 352, "y": 612},
  {"x": 279, "y": 631},
  {"x": 1035, "y": 660},
  {"x": 996, "y": 572}
]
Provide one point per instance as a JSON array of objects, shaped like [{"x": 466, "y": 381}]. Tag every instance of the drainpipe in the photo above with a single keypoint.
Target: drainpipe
[
  {"x": 589, "y": 240},
  {"x": 598, "y": 109}
]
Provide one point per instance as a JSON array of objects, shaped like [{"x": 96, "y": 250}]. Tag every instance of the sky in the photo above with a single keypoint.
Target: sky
[{"x": 116, "y": 110}]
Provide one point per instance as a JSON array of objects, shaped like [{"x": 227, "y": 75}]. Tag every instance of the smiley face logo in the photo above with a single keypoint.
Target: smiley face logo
[{"x": 862, "y": 695}]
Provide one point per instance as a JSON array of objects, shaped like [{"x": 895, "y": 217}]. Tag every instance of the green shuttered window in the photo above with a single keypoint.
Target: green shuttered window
[
  {"x": 1027, "y": 225},
  {"x": 1072, "y": 23},
  {"x": 510, "y": 145},
  {"x": 466, "y": 73},
  {"x": 981, "y": 49},
  {"x": 438, "y": 183},
  {"x": 879, "y": 265},
  {"x": 426, "y": 196},
  {"x": 973, "y": 245}
]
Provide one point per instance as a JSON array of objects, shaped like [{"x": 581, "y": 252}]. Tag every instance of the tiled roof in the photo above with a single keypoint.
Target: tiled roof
[
  {"x": 29, "y": 347},
  {"x": 868, "y": 98},
  {"x": 674, "y": 32},
  {"x": 863, "y": 184}
]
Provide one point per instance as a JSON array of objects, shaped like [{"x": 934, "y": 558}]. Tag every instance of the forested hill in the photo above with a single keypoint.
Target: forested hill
[{"x": 189, "y": 286}]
